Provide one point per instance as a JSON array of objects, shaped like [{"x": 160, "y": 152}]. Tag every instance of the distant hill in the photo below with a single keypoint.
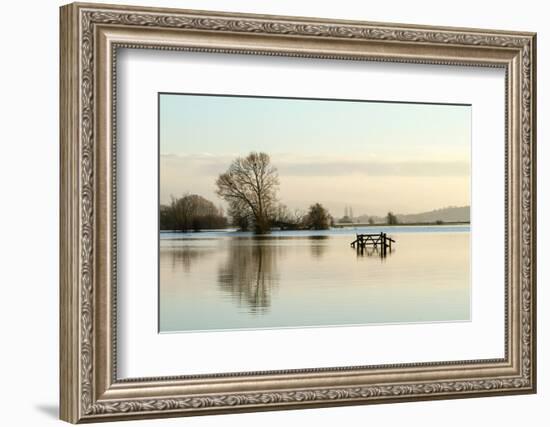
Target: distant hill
[{"x": 448, "y": 214}]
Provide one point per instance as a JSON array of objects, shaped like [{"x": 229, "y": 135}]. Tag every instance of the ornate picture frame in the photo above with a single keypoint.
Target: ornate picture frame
[{"x": 90, "y": 37}]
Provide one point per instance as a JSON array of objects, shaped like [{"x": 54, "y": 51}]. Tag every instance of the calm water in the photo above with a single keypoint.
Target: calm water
[{"x": 233, "y": 280}]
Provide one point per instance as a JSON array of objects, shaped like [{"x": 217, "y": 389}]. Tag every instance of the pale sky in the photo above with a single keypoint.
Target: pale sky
[{"x": 372, "y": 156}]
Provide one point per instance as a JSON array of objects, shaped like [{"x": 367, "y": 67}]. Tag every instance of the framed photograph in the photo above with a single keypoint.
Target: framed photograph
[{"x": 266, "y": 212}]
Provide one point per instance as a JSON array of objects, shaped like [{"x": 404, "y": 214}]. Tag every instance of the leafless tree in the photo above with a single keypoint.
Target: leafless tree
[
  {"x": 391, "y": 218},
  {"x": 318, "y": 218},
  {"x": 240, "y": 214},
  {"x": 286, "y": 219},
  {"x": 191, "y": 212},
  {"x": 250, "y": 187}
]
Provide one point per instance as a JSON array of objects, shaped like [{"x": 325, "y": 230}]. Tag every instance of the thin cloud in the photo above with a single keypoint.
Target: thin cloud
[
  {"x": 369, "y": 168},
  {"x": 208, "y": 164}
]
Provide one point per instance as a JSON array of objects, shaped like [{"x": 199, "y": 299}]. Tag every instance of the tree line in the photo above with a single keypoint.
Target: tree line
[
  {"x": 249, "y": 187},
  {"x": 191, "y": 212},
  {"x": 390, "y": 219}
]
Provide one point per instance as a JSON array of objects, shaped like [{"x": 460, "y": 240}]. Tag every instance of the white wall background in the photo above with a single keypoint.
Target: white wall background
[{"x": 29, "y": 171}]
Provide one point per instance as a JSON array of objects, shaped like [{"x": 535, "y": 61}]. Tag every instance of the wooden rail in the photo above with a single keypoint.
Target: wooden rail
[{"x": 377, "y": 241}]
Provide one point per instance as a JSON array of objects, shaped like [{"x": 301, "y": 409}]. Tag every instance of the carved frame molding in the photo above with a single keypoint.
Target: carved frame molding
[{"x": 90, "y": 36}]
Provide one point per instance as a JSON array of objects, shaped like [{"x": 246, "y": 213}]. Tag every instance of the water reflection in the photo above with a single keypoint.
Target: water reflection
[
  {"x": 372, "y": 251},
  {"x": 250, "y": 273},
  {"x": 184, "y": 257},
  {"x": 318, "y": 245},
  {"x": 244, "y": 282}
]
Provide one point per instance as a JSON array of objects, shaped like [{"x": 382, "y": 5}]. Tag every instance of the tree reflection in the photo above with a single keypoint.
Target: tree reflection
[
  {"x": 184, "y": 257},
  {"x": 318, "y": 245},
  {"x": 250, "y": 273}
]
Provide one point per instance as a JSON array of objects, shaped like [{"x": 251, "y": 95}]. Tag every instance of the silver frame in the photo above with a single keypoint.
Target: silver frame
[{"x": 90, "y": 37}]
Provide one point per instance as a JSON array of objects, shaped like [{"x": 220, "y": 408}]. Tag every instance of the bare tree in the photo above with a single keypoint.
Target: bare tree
[
  {"x": 240, "y": 215},
  {"x": 191, "y": 212},
  {"x": 250, "y": 184},
  {"x": 286, "y": 219},
  {"x": 391, "y": 218},
  {"x": 318, "y": 218}
]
